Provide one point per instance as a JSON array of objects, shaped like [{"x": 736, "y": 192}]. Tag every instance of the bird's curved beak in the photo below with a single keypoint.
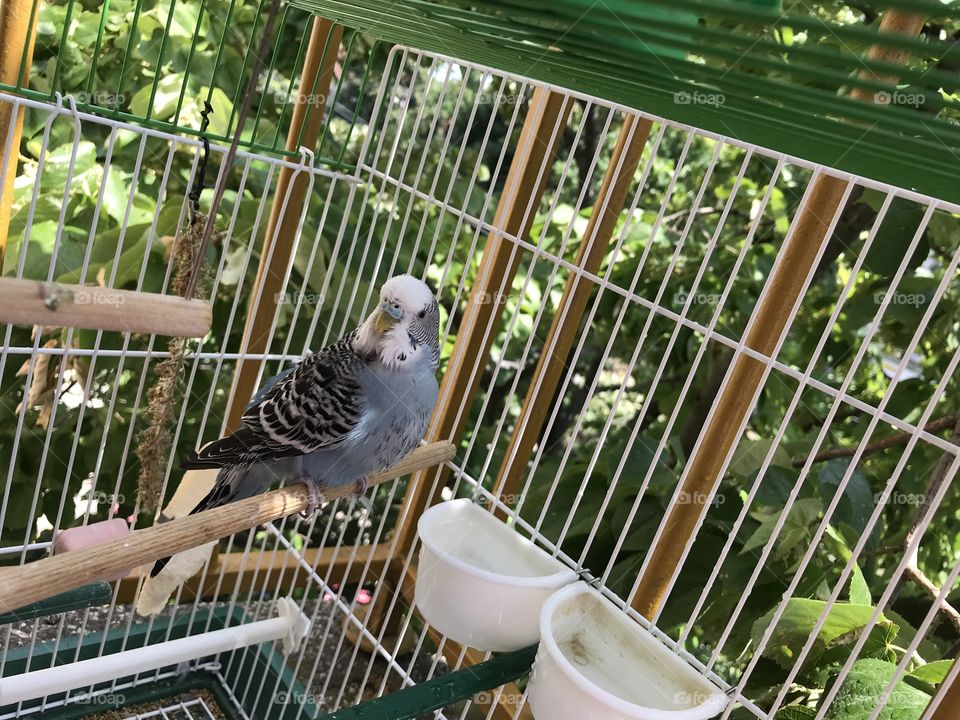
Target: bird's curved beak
[{"x": 384, "y": 322}]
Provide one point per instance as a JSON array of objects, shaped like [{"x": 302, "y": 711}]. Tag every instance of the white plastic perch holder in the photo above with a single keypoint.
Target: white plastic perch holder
[
  {"x": 595, "y": 663},
  {"x": 479, "y": 582}
]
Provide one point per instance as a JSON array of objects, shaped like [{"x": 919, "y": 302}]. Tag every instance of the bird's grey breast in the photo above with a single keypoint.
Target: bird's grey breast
[
  {"x": 395, "y": 409},
  {"x": 398, "y": 405}
]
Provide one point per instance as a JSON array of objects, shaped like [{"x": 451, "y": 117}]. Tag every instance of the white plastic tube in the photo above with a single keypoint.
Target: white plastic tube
[{"x": 290, "y": 627}]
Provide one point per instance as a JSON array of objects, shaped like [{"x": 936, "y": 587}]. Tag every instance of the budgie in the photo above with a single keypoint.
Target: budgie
[{"x": 344, "y": 412}]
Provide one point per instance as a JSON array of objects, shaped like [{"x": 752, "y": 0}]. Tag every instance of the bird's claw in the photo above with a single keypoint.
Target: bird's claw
[
  {"x": 360, "y": 493},
  {"x": 316, "y": 499},
  {"x": 360, "y": 488}
]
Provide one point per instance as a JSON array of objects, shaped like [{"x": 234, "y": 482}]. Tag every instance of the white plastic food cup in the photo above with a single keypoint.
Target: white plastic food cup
[
  {"x": 481, "y": 583},
  {"x": 595, "y": 663}
]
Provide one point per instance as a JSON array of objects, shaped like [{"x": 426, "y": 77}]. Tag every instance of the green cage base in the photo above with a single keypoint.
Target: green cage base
[
  {"x": 255, "y": 662},
  {"x": 259, "y": 662}
]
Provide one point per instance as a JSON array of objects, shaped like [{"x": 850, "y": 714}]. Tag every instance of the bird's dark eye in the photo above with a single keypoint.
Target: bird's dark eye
[{"x": 422, "y": 314}]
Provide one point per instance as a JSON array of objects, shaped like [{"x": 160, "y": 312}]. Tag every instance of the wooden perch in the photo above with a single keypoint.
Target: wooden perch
[
  {"x": 47, "y": 577},
  {"x": 33, "y": 302}
]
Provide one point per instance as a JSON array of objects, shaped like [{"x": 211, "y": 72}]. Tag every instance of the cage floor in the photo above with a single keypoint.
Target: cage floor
[
  {"x": 326, "y": 666},
  {"x": 47, "y": 629},
  {"x": 201, "y": 705}
]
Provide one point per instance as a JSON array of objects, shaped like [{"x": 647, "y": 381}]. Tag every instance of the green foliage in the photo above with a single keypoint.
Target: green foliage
[
  {"x": 610, "y": 459},
  {"x": 867, "y": 681},
  {"x": 844, "y": 624}
]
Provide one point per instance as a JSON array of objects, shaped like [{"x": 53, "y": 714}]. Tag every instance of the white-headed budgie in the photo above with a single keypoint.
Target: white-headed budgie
[{"x": 344, "y": 412}]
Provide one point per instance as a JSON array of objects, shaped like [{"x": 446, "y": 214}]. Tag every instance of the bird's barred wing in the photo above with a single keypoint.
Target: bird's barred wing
[
  {"x": 315, "y": 406},
  {"x": 268, "y": 386}
]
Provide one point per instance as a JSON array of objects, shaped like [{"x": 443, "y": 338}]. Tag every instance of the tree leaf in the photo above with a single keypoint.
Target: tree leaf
[
  {"x": 222, "y": 110},
  {"x": 165, "y": 100},
  {"x": 932, "y": 672},
  {"x": 843, "y": 626},
  {"x": 863, "y": 688},
  {"x": 749, "y": 455},
  {"x": 930, "y": 646},
  {"x": 56, "y": 167},
  {"x": 857, "y": 503},
  {"x": 796, "y": 712},
  {"x": 894, "y": 237},
  {"x": 183, "y": 24},
  {"x": 859, "y": 590},
  {"x": 775, "y": 486},
  {"x": 797, "y": 526}
]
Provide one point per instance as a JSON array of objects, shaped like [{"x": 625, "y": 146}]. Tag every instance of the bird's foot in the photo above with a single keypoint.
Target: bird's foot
[
  {"x": 316, "y": 498},
  {"x": 360, "y": 493},
  {"x": 360, "y": 488}
]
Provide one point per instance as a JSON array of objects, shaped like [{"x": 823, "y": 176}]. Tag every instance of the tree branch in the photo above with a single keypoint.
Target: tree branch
[
  {"x": 945, "y": 609},
  {"x": 881, "y": 444},
  {"x": 938, "y": 477}
]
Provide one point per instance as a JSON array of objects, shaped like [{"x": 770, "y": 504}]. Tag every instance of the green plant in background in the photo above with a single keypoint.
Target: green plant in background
[
  {"x": 117, "y": 205},
  {"x": 85, "y": 442}
]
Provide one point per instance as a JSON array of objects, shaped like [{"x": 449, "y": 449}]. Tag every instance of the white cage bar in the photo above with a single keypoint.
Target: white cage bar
[{"x": 392, "y": 213}]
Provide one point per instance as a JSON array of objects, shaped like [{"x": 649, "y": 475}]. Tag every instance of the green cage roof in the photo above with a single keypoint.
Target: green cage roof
[{"x": 778, "y": 79}]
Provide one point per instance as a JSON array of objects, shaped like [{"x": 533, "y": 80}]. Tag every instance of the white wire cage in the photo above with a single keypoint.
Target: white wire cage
[{"x": 591, "y": 478}]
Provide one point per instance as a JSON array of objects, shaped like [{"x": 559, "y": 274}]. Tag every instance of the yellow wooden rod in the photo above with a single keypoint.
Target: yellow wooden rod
[
  {"x": 16, "y": 48},
  {"x": 289, "y": 198},
  {"x": 33, "y": 302},
  {"x": 949, "y": 707},
  {"x": 772, "y": 317},
  {"x": 238, "y": 572},
  {"x": 735, "y": 402},
  {"x": 539, "y": 140},
  {"x": 897, "y": 22},
  {"x": 573, "y": 303},
  {"x": 59, "y": 573}
]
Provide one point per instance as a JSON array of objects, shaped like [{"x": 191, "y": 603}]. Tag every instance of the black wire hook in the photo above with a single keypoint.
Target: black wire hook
[{"x": 198, "y": 182}]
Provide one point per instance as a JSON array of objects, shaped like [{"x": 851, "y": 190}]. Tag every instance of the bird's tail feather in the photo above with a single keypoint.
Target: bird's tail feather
[{"x": 222, "y": 492}]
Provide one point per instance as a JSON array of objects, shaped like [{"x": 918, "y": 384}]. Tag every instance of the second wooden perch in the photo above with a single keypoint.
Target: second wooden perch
[
  {"x": 59, "y": 573},
  {"x": 32, "y": 302}
]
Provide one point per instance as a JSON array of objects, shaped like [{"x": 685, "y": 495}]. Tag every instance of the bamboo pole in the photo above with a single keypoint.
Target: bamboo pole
[
  {"x": 34, "y": 302},
  {"x": 536, "y": 148},
  {"x": 735, "y": 402},
  {"x": 573, "y": 303},
  {"x": 949, "y": 706},
  {"x": 896, "y": 22},
  {"x": 525, "y": 184},
  {"x": 785, "y": 287},
  {"x": 289, "y": 198},
  {"x": 238, "y": 572},
  {"x": 17, "y": 36},
  {"x": 56, "y": 574}
]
